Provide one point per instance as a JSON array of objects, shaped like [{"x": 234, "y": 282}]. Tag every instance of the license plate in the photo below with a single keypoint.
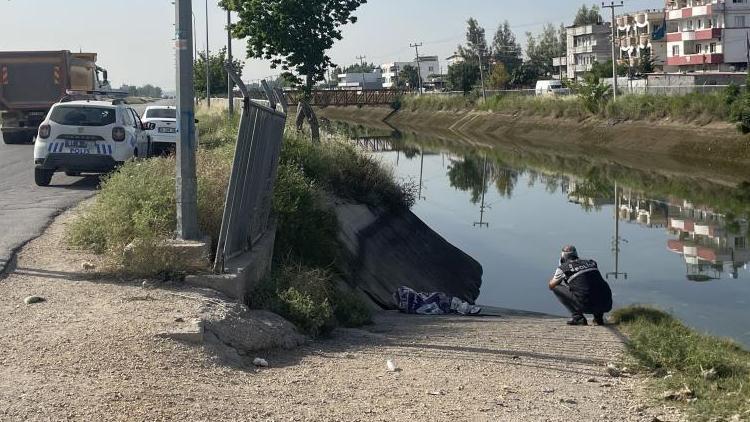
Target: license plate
[
  {"x": 167, "y": 130},
  {"x": 76, "y": 143},
  {"x": 82, "y": 151}
]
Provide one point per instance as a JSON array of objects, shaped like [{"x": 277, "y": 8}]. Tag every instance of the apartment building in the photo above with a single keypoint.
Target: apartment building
[
  {"x": 371, "y": 80},
  {"x": 639, "y": 32},
  {"x": 428, "y": 66},
  {"x": 708, "y": 35},
  {"x": 586, "y": 45}
]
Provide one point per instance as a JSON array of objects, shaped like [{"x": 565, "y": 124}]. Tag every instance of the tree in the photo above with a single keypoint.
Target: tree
[
  {"x": 541, "y": 49},
  {"x": 586, "y": 16},
  {"x": 476, "y": 43},
  {"x": 147, "y": 90},
  {"x": 500, "y": 77},
  {"x": 505, "y": 48},
  {"x": 294, "y": 35},
  {"x": 360, "y": 68},
  {"x": 524, "y": 75},
  {"x": 591, "y": 91},
  {"x": 218, "y": 76},
  {"x": 647, "y": 62},
  {"x": 604, "y": 69},
  {"x": 463, "y": 76},
  {"x": 408, "y": 76}
]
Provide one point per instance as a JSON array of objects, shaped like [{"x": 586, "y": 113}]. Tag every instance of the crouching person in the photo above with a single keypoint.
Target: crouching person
[{"x": 579, "y": 286}]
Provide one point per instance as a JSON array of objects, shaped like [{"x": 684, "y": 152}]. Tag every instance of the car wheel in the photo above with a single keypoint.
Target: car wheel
[
  {"x": 42, "y": 177},
  {"x": 149, "y": 148}
]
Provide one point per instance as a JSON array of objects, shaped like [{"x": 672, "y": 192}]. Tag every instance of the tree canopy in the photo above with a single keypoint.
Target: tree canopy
[
  {"x": 476, "y": 43},
  {"x": 505, "y": 48},
  {"x": 499, "y": 77},
  {"x": 293, "y": 34},
  {"x": 147, "y": 90},
  {"x": 359, "y": 68},
  {"x": 542, "y": 48},
  {"x": 408, "y": 76},
  {"x": 216, "y": 71},
  {"x": 586, "y": 16},
  {"x": 463, "y": 76}
]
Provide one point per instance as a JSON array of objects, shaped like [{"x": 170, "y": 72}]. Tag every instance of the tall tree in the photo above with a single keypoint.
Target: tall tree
[
  {"x": 360, "y": 68},
  {"x": 463, "y": 76},
  {"x": 542, "y": 48},
  {"x": 476, "y": 43},
  {"x": 408, "y": 76},
  {"x": 505, "y": 48},
  {"x": 294, "y": 35},
  {"x": 586, "y": 16},
  {"x": 216, "y": 71}
]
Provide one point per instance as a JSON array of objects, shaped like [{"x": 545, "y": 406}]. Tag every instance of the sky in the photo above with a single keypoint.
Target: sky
[{"x": 134, "y": 38}]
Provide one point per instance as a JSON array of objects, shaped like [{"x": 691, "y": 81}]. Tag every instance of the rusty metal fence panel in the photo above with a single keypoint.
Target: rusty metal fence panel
[{"x": 247, "y": 209}]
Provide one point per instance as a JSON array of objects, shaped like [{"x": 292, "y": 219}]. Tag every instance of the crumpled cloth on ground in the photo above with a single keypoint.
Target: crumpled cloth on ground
[{"x": 411, "y": 301}]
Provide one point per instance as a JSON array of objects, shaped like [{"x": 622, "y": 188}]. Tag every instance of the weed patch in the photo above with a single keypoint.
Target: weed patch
[{"x": 715, "y": 370}]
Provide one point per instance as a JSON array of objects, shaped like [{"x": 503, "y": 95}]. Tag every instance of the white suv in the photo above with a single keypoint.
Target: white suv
[{"x": 88, "y": 137}]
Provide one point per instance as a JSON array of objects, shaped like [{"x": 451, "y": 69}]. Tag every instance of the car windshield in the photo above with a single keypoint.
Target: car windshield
[
  {"x": 161, "y": 113},
  {"x": 83, "y": 116}
]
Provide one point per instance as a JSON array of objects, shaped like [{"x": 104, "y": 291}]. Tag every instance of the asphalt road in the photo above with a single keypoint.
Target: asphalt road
[{"x": 25, "y": 208}]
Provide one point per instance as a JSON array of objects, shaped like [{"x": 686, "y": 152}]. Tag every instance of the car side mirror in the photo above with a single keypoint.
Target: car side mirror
[
  {"x": 149, "y": 126},
  {"x": 196, "y": 121}
]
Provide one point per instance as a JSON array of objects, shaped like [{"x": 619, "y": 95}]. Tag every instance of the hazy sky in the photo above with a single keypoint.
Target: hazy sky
[{"x": 134, "y": 37}]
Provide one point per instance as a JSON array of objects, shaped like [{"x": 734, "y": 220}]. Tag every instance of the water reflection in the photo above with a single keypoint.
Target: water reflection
[{"x": 679, "y": 242}]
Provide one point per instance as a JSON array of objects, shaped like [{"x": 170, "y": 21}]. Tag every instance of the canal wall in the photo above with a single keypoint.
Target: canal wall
[
  {"x": 715, "y": 141},
  {"x": 384, "y": 250}
]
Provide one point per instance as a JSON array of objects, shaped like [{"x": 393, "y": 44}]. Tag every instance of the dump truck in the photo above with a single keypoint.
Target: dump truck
[{"x": 32, "y": 81}]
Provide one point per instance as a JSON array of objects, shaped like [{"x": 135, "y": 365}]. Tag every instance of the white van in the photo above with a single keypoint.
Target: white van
[{"x": 550, "y": 87}]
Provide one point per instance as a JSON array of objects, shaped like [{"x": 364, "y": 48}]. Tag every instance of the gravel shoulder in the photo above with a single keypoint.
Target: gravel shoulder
[{"x": 93, "y": 351}]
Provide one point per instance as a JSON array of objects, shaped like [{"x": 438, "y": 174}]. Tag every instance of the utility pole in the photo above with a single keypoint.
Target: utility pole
[
  {"x": 362, "y": 68},
  {"x": 612, "y": 6},
  {"x": 208, "y": 64},
  {"x": 481, "y": 71},
  {"x": 230, "y": 84},
  {"x": 419, "y": 68},
  {"x": 186, "y": 183}
]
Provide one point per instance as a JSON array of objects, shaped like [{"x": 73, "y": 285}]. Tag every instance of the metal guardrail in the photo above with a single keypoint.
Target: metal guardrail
[{"x": 247, "y": 209}]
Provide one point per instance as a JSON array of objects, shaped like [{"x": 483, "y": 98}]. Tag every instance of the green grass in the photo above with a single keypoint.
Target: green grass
[
  {"x": 136, "y": 205},
  {"x": 678, "y": 356},
  {"x": 698, "y": 108}
]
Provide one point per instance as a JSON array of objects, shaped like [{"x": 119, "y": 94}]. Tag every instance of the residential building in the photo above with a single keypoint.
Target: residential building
[
  {"x": 454, "y": 59},
  {"x": 641, "y": 31},
  {"x": 587, "y": 44},
  {"x": 372, "y": 80},
  {"x": 428, "y": 66},
  {"x": 708, "y": 35},
  {"x": 561, "y": 67}
]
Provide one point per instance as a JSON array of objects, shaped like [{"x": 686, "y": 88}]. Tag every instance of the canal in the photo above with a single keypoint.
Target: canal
[{"x": 676, "y": 242}]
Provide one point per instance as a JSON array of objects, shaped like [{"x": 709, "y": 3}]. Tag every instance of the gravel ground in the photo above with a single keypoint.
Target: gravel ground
[{"x": 91, "y": 351}]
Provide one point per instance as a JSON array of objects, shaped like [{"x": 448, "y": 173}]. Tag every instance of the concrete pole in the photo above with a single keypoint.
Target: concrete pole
[
  {"x": 230, "y": 84},
  {"x": 208, "y": 64},
  {"x": 187, "y": 202},
  {"x": 612, "y": 7},
  {"x": 419, "y": 68}
]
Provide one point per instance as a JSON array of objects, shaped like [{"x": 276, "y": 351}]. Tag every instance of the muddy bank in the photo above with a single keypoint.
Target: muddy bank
[{"x": 385, "y": 250}]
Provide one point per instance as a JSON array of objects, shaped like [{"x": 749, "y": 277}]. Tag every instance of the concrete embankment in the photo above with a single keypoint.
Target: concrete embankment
[
  {"x": 385, "y": 250},
  {"x": 715, "y": 152}
]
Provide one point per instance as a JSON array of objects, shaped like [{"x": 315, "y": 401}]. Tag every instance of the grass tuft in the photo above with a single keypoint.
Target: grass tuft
[{"x": 716, "y": 370}]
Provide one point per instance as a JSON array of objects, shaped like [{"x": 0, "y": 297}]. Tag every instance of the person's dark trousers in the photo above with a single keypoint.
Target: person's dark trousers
[{"x": 569, "y": 301}]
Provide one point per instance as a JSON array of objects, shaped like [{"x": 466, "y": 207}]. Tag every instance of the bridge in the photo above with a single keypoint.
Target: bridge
[{"x": 342, "y": 97}]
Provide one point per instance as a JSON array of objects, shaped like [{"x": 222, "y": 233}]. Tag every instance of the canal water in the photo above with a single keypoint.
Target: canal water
[{"x": 678, "y": 244}]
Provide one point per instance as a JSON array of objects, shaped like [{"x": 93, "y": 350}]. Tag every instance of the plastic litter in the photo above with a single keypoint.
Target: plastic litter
[{"x": 391, "y": 365}]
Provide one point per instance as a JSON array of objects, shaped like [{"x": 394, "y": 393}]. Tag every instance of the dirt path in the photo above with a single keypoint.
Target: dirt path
[{"x": 91, "y": 352}]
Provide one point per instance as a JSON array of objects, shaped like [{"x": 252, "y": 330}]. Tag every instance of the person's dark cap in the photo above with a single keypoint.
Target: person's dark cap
[{"x": 569, "y": 252}]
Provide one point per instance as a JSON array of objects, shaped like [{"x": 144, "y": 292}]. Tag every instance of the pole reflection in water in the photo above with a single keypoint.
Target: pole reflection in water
[
  {"x": 617, "y": 239},
  {"x": 482, "y": 207}
]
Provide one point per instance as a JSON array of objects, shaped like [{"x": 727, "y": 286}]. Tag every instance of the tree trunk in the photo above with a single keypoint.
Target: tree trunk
[
  {"x": 300, "y": 120},
  {"x": 312, "y": 119},
  {"x": 305, "y": 112}
]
